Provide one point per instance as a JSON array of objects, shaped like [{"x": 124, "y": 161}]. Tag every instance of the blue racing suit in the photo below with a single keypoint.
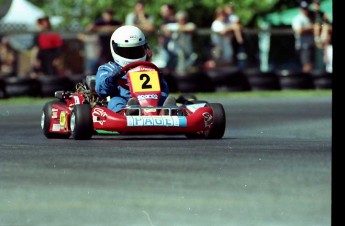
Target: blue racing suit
[{"x": 107, "y": 85}]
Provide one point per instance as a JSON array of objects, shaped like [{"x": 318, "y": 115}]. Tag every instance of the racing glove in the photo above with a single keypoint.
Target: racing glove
[
  {"x": 114, "y": 71},
  {"x": 106, "y": 78}
]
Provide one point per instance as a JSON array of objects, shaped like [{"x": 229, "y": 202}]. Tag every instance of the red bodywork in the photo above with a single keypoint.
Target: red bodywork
[{"x": 194, "y": 118}]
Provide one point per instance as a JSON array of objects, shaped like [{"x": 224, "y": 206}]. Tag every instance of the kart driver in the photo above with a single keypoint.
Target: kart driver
[{"x": 127, "y": 44}]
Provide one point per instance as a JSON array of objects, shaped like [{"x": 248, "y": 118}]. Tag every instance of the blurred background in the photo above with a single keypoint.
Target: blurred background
[{"x": 266, "y": 59}]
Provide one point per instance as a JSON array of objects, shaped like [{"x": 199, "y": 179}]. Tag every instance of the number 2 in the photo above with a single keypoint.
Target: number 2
[{"x": 146, "y": 79}]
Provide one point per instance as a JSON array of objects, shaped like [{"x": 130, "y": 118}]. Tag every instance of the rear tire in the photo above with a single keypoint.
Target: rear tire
[
  {"x": 45, "y": 121},
  {"x": 81, "y": 122},
  {"x": 219, "y": 122}
]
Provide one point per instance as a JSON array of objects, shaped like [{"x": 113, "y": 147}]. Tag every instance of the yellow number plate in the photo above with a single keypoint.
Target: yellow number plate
[{"x": 145, "y": 81}]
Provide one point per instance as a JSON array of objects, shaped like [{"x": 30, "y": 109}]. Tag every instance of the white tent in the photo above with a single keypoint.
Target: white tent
[
  {"x": 22, "y": 16},
  {"x": 24, "y": 13}
]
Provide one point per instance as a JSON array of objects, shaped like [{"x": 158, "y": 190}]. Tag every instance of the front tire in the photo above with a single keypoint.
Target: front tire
[
  {"x": 46, "y": 118},
  {"x": 81, "y": 122}
]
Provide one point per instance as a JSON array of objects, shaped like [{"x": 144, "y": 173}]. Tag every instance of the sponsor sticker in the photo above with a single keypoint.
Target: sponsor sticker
[
  {"x": 62, "y": 120},
  {"x": 99, "y": 115},
  {"x": 148, "y": 96},
  {"x": 76, "y": 100},
  {"x": 173, "y": 121},
  {"x": 56, "y": 127},
  {"x": 54, "y": 112},
  {"x": 208, "y": 119}
]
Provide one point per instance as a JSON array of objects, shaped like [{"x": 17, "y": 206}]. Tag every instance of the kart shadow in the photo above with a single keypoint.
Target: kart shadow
[{"x": 149, "y": 137}]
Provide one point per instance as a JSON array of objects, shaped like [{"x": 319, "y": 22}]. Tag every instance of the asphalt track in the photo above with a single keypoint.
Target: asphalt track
[{"x": 273, "y": 167}]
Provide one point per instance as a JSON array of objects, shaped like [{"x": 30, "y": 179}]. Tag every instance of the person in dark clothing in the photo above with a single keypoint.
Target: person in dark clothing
[
  {"x": 320, "y": 22},
  {"x": 167, "y": 12},
  {"x": 322, "y": 26},
  {"x": 105, "y": 27},
  {"x": 8, "y": 58},
  {"x": 47, "y": 49}
]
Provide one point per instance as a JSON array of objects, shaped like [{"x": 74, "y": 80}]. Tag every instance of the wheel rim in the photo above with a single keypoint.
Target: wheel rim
[
  {"x": 42, "y": 120},
  {"x": 72, "y": 123}
]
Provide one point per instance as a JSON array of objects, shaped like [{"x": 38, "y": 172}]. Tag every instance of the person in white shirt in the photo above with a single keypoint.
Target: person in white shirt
[
  {"x": 222, "y": 50},
  {"x": 181, "y": 41},
  {"x": 234, "y": 23},
  {"x": 304, "y": 37},
  {"x": 140, "y": 18}
]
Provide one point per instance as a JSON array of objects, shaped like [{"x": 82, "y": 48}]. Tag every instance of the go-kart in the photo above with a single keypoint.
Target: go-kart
[{"x": 83, "y": 113}]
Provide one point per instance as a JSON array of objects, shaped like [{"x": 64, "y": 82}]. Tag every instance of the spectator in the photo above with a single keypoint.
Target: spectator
[
  {"x": 222, "y": 51},
  {"x": 7, "y": 59},
  {"x": 304, "y": 37},
  {"x": 181, "y": 42},
  {"x": 140, "y": 18},
  {"x": 321, "y": 25},
  {"x": 92, "y": 52},
  {"x": 104, "y": 27},
  {"x": 328, "y": 50},
  {"x": 234, "y": 23},
  {"x": 47, "y": 49},
  {"x": 320, "y": 21},
  {"x": 167, "y": 12},
  {"x": 236, "y": 29}
]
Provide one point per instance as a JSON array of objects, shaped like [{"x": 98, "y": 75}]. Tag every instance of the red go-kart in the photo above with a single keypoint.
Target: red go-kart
[{"x": 83, "y": 113}]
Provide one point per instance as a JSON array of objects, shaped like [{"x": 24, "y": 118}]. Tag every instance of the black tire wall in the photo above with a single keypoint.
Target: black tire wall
[{"x": 17, "y": 86}]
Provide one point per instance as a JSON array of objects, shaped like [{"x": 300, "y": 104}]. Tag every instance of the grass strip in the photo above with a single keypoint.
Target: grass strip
[{"x": 282, "y": 93}]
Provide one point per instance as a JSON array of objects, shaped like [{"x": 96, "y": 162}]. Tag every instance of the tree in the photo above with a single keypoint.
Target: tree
[{"x": 78, "y": 13}]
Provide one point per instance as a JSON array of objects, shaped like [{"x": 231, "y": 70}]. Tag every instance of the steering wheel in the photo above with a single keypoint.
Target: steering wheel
[
  {"x": 122, "y": 82},
  {"x": 139, "y": 63}
]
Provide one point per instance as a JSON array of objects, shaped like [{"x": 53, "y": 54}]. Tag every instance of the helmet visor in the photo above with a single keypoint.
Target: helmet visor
[{"x": 129, "y": 52}]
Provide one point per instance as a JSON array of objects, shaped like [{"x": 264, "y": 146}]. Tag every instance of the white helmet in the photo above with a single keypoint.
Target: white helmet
[{"x": 128, "y": 44}]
